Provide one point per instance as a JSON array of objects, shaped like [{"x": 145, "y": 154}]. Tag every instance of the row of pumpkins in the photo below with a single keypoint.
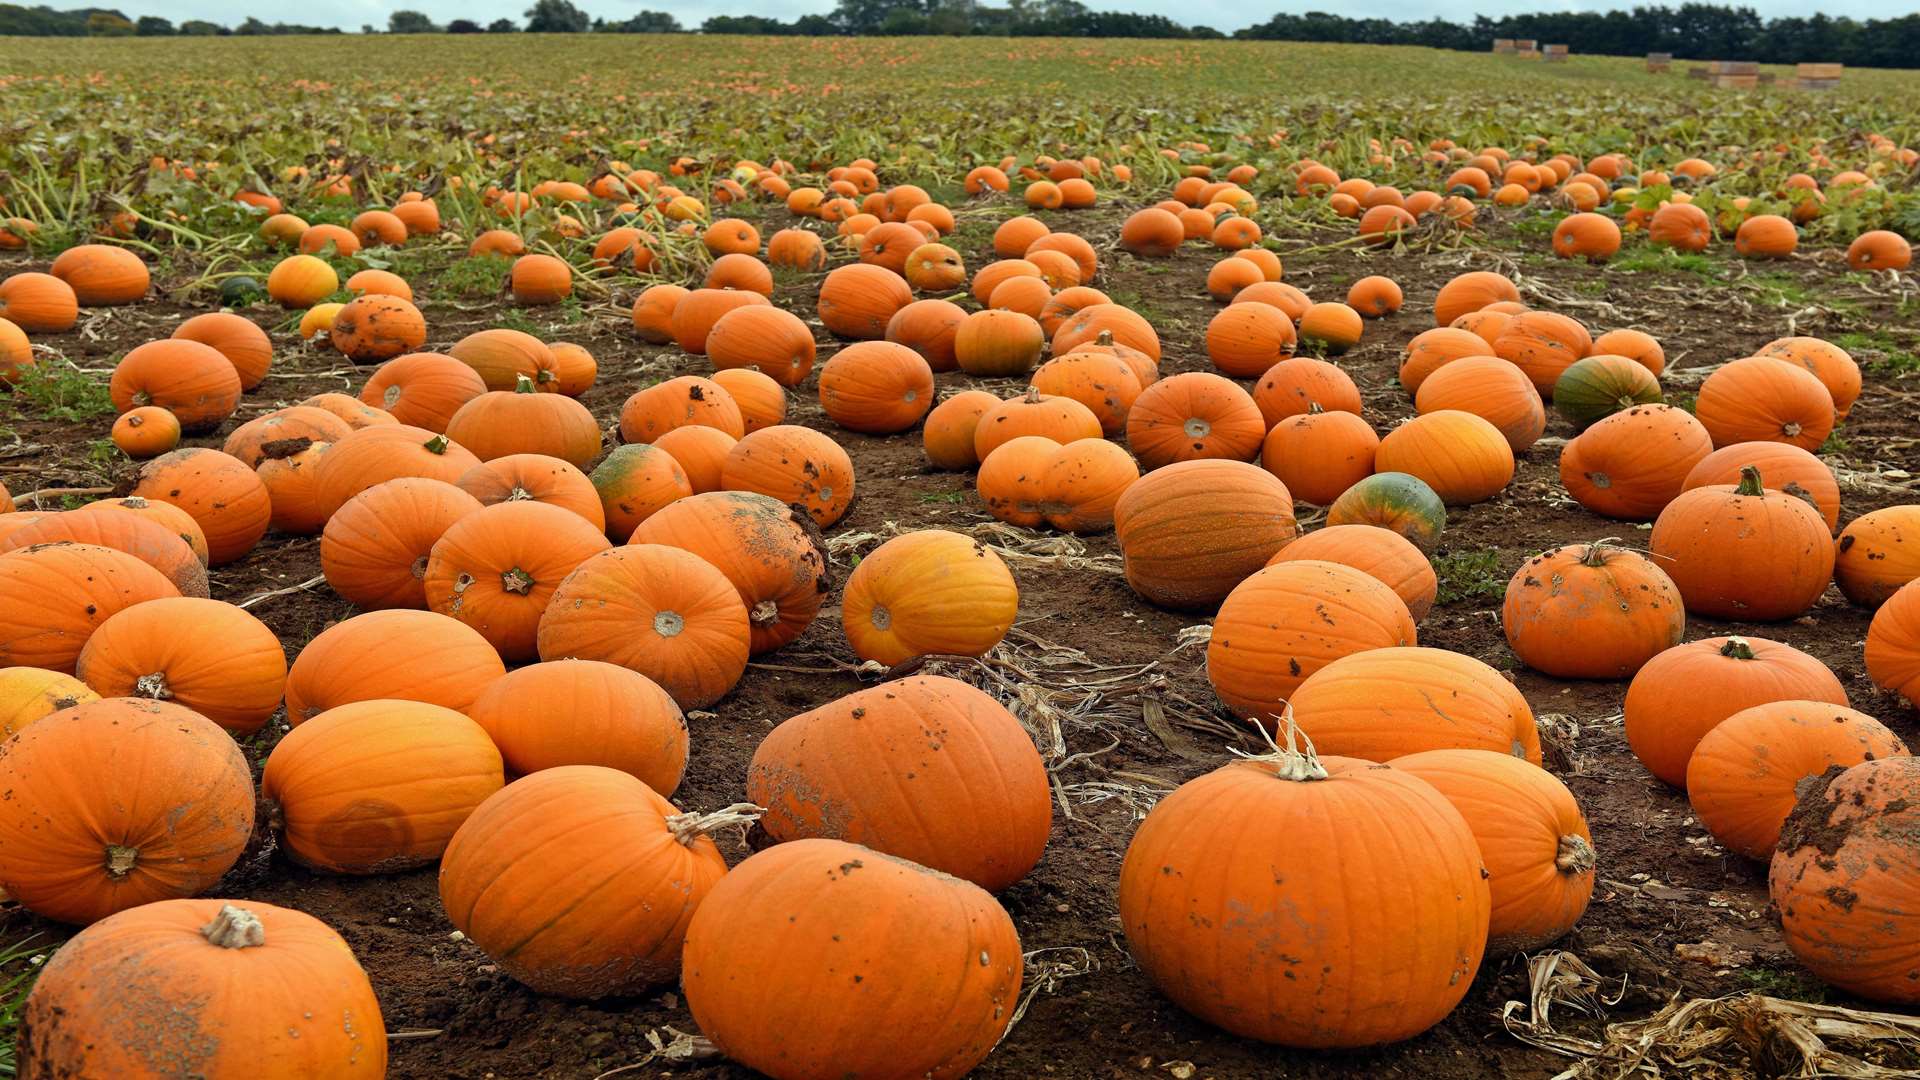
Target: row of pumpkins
[{"x": 504, "y": 548}]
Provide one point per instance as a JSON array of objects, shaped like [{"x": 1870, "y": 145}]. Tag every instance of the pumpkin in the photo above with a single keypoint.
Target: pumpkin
[
  {"x": 357, "y": 414},
  {"x": 1433, "y": 349},
  {"x": 877, "y": 387},
  {"x": 1300, "y": 385},
  {"x": 1492, "y": 389},
  {"x": 577, "y": 368},
  {"x": 761, "y": 400},
  {"x": 1103, "y": 383},
  {"x": 1635, "y": 345},
  {"x": 192, "y": 381},
  {"x": 1014, "y": 236},
  {"x": 661, "y": 611},
  {"x": 377, "y": 454},
  {"x": 377, "y": 227},
  {"x": 1395, "y": 501},
  {"x": 998, "y": 342},
  {"x": 1487, "y": 324},
  {"x": 1194, "y": 415},
  {"x": 1462, "y": 457},
  {"x": 1783, "y": 467},
  {"x": 552, "y": 908},
  {"x": 316, "y": 1013},
  {"x": 206, "y": 655},
  {"x": 240, "y": 340},
  {"x": 106, "y": 525},
  {"x": 925, "y": 768},
  {"x": 374, "y": 327},
  {"x": 796, "y": 466},
  {"x": 1766, "y": 236},
  {"x": 250, "y": 440},
  {"x": 377, "y": 786},
  {"x": 117, "y": 803},
  {"x": 1375, "y": 297},
  {"x": 1126, "y": 327},
  {"x": 1067, "y": 303},
  {"x": 857, "y": 300},
  {"x": 741, "y": 272},
  {"x": 584, "y": 712},
  {"x": 288, "y": 472},
  {"x": 1544, "y": 345},
  {"x": 1685, "y": 692},
  {"x": 41, "y": 303},
  {"x": 1893, "y": 643},
  {"x": 1012, "y": 479},
  {"x": 1152, "y": 233},
  {"x": 1842, "y": 879},
  {"x": 768, "y": 338},
  {"x": 1597, "y": 386},
  {"x": 521, "y": 421},
  {"x": 380, "y": 281},
  {"x": 1245, "y": 340},
  {"x": 538, "y": 478},
  {"x": 634, "y": 483},
  {"x": 796, "y": 249},
  {"x": 1873, "y": 557},
  {"x": 1290, "y": 619},
  {"x": 500, "y": 357},
  {"x": 1591, "y": 611},
  {"x": 1060, "y": 419},
  {"x": 1743, "y": 552},
  {"x": 1229, "y": 276},
  {"x": 1836, "y": 370},
  {"x": 700, "y": 453},
  {"x": 1217, "y": 930},
  {"x": 423, "y": 390},
  {"x": 1380, "y": 553},
  {"x": 949, "y": 431},
  {"x": 653, "y": 312},
  {"x": 146, "y": 431},
  {"x": 1633, "y": 463},
  {"x": 1191, "y": 531},
  {"x": 929, "y": 328},
  {"x": 223, "y": 496},
  {"x": 1531, "y": 834},
  {"x": 928, "y": 592},
  {"x": 1744, "y": 776},
  {"x": 1081, "y": 483},
  {"x": 28, "y": 694},
  {"x": 1330, "y": 328},
  {"x": 53, "y": 597},
  {"x": 1382, "y": 703},
  {"x": 772, "y": 556},
  {"x": 1319, "y": 455},
  {"x": 102, "y": 275},
  {"x": 1470, "y": 292},
  {"x": 688, "y": 399},
  {"x": 174, "y": 519},
  {"x": 414, "y": 655},
  {"x": 1681, "y": 226},
  {"x": 1144, "y": 369},
  {"x": 833, "y": 912},
  {"x": 697, "y": 313},
  {"x": 1878, "y": 249},
  {"x": 1590, "y": 236},
  {"x": 496, "y": 568},
  {"x": 1761, "y": 399},
  {"x": 374, "y": 549}
]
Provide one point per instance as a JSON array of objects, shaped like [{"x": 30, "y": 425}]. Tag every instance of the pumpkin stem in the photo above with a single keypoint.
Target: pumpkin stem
[
  {"x": 235, "y": 928},
  {"x": 121, "y": 860},
  {"x": 687, "y": 828},
  {"x": 668, "y": 623},
  {"x": 1597, "y": 551},
  {"x": 764, "y": 613},
  {"x": 153, "y": 686},
  {"x": 1737, "y": 648},
  {"x": 522, "y": 384},
  {"x": 517, "y": 580},
  {"x": 1104, "y": 338},
  {"x": 1749, "y": 482},
  {"x": 436, "y": 445},
  {"x": 1575, "y": 855},
  {"x": 1314, "y": 409},
  {"x": 1289, "y": 762},
  {"x": 1033, "y": 396},
  {"x": 519, "y": 494}
]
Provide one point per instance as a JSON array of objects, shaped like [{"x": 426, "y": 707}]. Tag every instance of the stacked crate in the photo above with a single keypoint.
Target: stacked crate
[
  {"x": 1554, "y": 54},
  {"x": 1734, "y": 74},
  {"x": 1659, "y": 62},
  {"x": 1817, "y": 76},
  {"x": 1526, "y": 48},
  {"x": 1503, "y": 46}
]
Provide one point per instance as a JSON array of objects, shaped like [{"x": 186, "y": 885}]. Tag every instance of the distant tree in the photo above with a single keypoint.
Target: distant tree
[
  {"x": 556, "y": 17},
  {"x": 109, "y": 24},
  {"x": 743, "y": 24},
  {"x": 815, "y": 26},
  {"x": 410, "y": 22},
  {"x": 201, "y": 28},
  {"x": 153, "y": 26},
  {"x": 503, "y": 26},
  {"x": 1205, "y": 32},
  {"x": 463, "y": 26},
  {"x": 653, "y": 22}
]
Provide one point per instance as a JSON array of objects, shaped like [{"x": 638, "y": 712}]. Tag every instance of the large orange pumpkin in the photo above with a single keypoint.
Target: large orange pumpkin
[
  {"x": 1591, "y": 611},
  {"x": 374, "y": 327},
  {"x": 1836, "y": 370},
  {"x": 1302, "y": 384},
  {"x": 102, "y": 275},
  {"x": 1289, "y": 620},
  {"x": 1893, "y": 643},
  {"x": 585, "y": 712},
  {"x": 1877, "y": 553},
  {"x": 634, "y": 482},
  {"x": 423, "y": 390},
  {"x": 1380, "y": 704},
  {"x": 1431, "y": 350},
  {"x": 496, "y": 568},
  {"x": 1190, "y": 532},
  {"x": 207, "y": 655},
  {"x": 926, "y": 768},
  {"x": 797, "y": 466},
  {"x": 38, "y": 303},
  {"x": 928, "y": 592},
  {"x": 374, "y": 549},
  {"x": 1470, "y": 292},
  {"x": 1319, "y": 455},
  {"x": 521, "y": 421},
  {"x": 876, "y": 387},
  {"x": 240, "y": 340},
  {"x": 54, "y": 596},
  {"x": 375, "y": 455},
  {"x": 1244, "y": 340},
  {"x": 1462, "y": 457},
  {"x": 688, "y": 399},
  {"x": 536, "y": 477},
  {"x": 1191, "y": 416},
  {"x": 1685, "y": 692},
  {"x": 1492, "y": 389},
  {"x": 107, "y": 525},
  {"x": 859, "y": 299},
  {"x": 1544, "y": 345},
  {"x": 117, "y": 803},
  {"x": 500, "y": 356},
  {"x": 1380, "y": 553},
  {"x": 1633, "y": 463},
  {"x": 190, "y": 380},
  {"x": 770, "y": 339},
  {"x": 772, "y": 555},
  {"x": 1783, "y": 467},
  {"x": 414, "y": 655},
  {"x": 249, "y": 441},
  {"x": 1761, "y": 399},
  {"x": 1744, "y": 552}
]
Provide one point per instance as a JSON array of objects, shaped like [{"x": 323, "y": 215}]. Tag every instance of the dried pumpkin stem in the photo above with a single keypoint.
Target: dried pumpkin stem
[
  {"x": 517, "y": 580},
  {"x": 121, "y": 860},
  {"x": 1738, "y": 648},
  {"x": 764, "y": 613},
  {"x": 1575, "y": 855},
  {"x": 153, "y": 686},
  {"x": 686, "y": 828},
  {"x": 235, "y": 928},
  {"x": 1749, "y": 482},
  {"x": 1292, "y": 761},
  {"x": 1597, "y": 551},
  {"x": 437, "y": 445}
]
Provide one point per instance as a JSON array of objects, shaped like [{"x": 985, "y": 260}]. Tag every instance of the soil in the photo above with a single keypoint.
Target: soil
[{"x": 1673, "y": 913}]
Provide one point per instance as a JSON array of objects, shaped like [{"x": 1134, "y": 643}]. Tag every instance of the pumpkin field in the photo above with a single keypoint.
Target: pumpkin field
[{"x": 893, "y": 558}]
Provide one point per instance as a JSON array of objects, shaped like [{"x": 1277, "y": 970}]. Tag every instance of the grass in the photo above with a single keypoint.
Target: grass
[
  {"x": 475, "y": 275},
  {"x": 1879, "y": 350},
  {"x": 1792, "y": 985},
  {"x": 1470, "y": 575},
  {"x": 943, "y": 497},
  {"x": 20, "y": 964},
  {"x": 1647, "y": 257},
  {"x": 59, "y": 391}
]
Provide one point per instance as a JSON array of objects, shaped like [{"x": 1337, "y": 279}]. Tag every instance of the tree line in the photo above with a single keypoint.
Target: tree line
[{"x": 1693, "y": 31}]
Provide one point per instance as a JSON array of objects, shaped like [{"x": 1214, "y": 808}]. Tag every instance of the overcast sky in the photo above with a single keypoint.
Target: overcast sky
[{"x": 1224, "y": 15}]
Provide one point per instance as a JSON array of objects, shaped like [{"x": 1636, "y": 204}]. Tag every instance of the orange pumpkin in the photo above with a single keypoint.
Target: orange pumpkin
[
  {"x": 1543, "y": 345},
  {"x": 521, "y": 421},
  {"x": 106, "y": 525},
  {"x": 1635, "y": 345},
  {"x": 948, "y": 434},
  {"x": 1744, "y": 552},
  {"x": 240, "y": 340},
  {"x": 1893, "y": 644},
  {"x": 1103, "y": 383},
  {"x": 224, "y": 497},
  {"x": 102, "y": 275},
  {"x": 190, "y": 380},
  {"x": 653, "y": 312},
  {"x": 374, "y": 327},
  {"x": 206, "y": 655},
  {"x": 538, "y": 478},
  {"x": 1246, "y": 340},
  {"x": 763, "y": 337},
  {"x": 928, "y": 592},
  {"x": 31, "y": 694},
  {"x": 688, "y": 399},
  {"x": 1836, "y": 370},
  {"x": 1766, "y": 236},
  {"x": 1681, "y": 226},
  {"x": 772, "y": 556},
  {"x": 584, "y": 712},
  {"x": 374, "y": 549},
  {"x": 1761, "y": 399},
  {"x": 877, "y": 387},
  {"x": 358, "y": 414},
  {"x": 1193, "y": 530},
  {"x": 500, "y": 357},
  {"x": 1462, "y": 457},
  {"x": 795, "y": 465},
  {"x": 1878, "y": 553},
  {"x": 1380, "y": 553},
  {"x": 1591, "y": 611},
  {"x": 375, "y": 455},
  {"x": 1470, "y": 292},
  {"x": 1878, "y": 249},
  {"x": 928, "y": 327},
  {"x": 1125, "y": 326},
  {"x": 1783, "y": 467},
  {"x": 1433, "y": 349},
  {"x": 1319, "y": 455},
  {"x": 1685, "y": 692},
  {"x": 1300, "y": 385},
  {"x": 1194, "y": 415},
  {"x": 249, "y": 441},
  {"x": 1491, "y": 388},
  {"x": 857, "y": 300},
  {"x": 1380, "y": 704},
  {"x": 496, "y": 568},
  {"x": 413, "y": 655},
  {"x": 423, "y": 390},
  {"x": 1633, "y": 463},
  {"x": 1287, "y": 621},
  {"x": 40, "y": 303}
]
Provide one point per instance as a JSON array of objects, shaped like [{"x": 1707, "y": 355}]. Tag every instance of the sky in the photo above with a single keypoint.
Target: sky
[{"x": 1225, "y": 15}]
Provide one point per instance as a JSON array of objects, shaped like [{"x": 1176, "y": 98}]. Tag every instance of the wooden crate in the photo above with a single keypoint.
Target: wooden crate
[
  {"x": 1659, "y": 62},
  {"x": 1734, "y": 67},
  {"x": 1554, "y": 53},
  {"x": 1525, "y": 45},
  {"x": 1528, "y": 54},
  {"x": 1503, "y": 45},
  {"x": 1736, "y": 82},
  {"x": 1819, "y": 71}
]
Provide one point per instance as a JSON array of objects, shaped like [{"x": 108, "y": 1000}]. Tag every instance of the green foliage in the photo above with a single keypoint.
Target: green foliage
[
  {"x": 1469, "y": 575},
  {"x": 59, "y": 391},
  {"x": 474, "y": 276},
  {"x": 1792, "y": 985},
  {"x": 1880, "y": 350},
  {"x": 20, "y": 964},
  {"x": 1648, "y": 257}
]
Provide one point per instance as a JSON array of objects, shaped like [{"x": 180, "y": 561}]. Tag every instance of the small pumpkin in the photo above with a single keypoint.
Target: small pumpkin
[
  {"x": 767, "y": 338},
  {"x": 929, "y": 328},
  {"x": 1597, "y": 386},
  {"x": 146, "y": 431},
  {"x": 858, "y": 300},
  {"x": 928, "y": 592},
  {"x": 375, "y": 327},
  {"x": 1319, "y": 455},
  {"x": 1246, "y": 340},
  {"x": 102, "y": 275},
  {"x": 687, "y": 399},
  {"x": 1591, "y": 611},
  {"x": 1878, "y": 553},
  {"x": 949, "y": 431}
]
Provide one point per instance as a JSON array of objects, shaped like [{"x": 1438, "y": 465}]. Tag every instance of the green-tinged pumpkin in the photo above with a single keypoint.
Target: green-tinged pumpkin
[
  {"x": 1596, "y": 387},
  {"x": 1394, "y": 501}
]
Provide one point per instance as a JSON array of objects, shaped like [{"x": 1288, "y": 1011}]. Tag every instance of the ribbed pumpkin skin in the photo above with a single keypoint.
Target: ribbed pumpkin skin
[
  {"x": 1218, "y": 930},
  {"x": 38, "y": 303},
  {"x": 928, "y": 592},
  {"x": 411, "y": 655},
  {"x": 110, "y": 527},
  {"x": 1288, "y": 621},
  {"x": 1595, "y": 387},
  {"x": 1320, "y": 455},
  {"x": 635, "y": 482},
  {"x": 796, "y": 466},
  {"x": 497, "y": 568},
  {"x": 1192, "y": 531},
  {"x": 572, "y": 881},
  {"x": 1532, "y": 835},
  {"x": 1433, "y": 349},
  {"x": 876, "y": 387},
  {"x": 174, "y": 519},
  {"x": 239, "y": 339},
  {"x": 376, "y": 787},
  {"x": 54, "y": 596},
  {"x": 1386, "y": 703},
  {"x": 925, "y": 768},
  {"x": 250, "y": 440},
  {"x": 661, "y": 611},
  {"x": 773, "y": 557},
  {"x": 1193, "y": 416},
  {"x": 1492, "y": 389},
  {"x": 1878, "y": 553},
  {"x": 535, "y": 477},
  {"x": 312, "y": 1013},
  {"x": 856, "y": 934},
  {"x": 1687, "y": 691},
  {"x": 190, "y": 380},
  {"x": 1100, "y": 381},
  {"x": 1544, "y": 345},
  {"x": 1380, "y": 553},
  {"x": 688, "y": 399},
  {"x": 1783, "y": 467},
  {"x": 205, "y": 655},
  {"x": 28, "y": 694},
  {"x": 585, "y": 712},
  {"x": 1462, "y": 457},
  {"x": 1632, "y": 464},
  {"x": 118, "y": 803},
  {"x": 695, "y": 316},
  {"x": 375, "y": 455},
  {"x": 500, "y": 356},
  {"x": 102, "y": 275},
  {"x": 1831, "y": 364},
  {"x": 374, "y": 549},
  {"x": 1744, "y": 776},
  {"x": 499, "y": 423},
  {"x": 857, "y": 300},
  {"x": 1587, "y": 611},
  {"x": 1760, "y": 557},
  {"x": 1394, "y": 501},
  {"x": 1471, "y": 292},
  {"x": 1761, "y": 399},
  {"x": 1843, "y": 880},
  {"x": 1893, "y": 643},
  {"x": 423, "y": 390}
]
